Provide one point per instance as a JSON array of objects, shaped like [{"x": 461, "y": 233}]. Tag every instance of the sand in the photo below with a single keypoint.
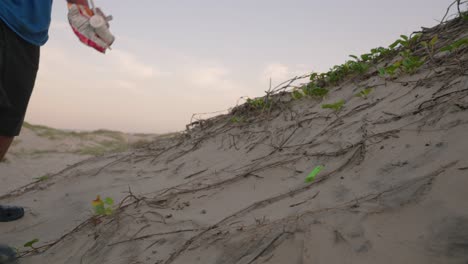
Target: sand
[
  {"x": 393, "y": 188},
  {"x": 41, "y": 152}
]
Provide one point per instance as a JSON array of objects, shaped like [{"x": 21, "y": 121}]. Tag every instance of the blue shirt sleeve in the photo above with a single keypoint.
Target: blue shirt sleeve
[{"x": 30, "y": 19}]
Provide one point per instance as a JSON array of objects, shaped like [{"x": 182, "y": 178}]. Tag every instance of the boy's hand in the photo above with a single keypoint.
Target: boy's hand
[{"x": 92, "y": 29}]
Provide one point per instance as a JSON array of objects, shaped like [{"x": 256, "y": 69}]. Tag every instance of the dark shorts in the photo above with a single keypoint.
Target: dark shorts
[{"x": 19, "y": 62}]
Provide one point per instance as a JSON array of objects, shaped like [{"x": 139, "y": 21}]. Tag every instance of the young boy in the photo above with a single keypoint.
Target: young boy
[{"x": 24, "y": 26}]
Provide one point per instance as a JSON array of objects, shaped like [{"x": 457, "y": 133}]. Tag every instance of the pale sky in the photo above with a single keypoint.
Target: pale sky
[{"x": 175, "y": 58}]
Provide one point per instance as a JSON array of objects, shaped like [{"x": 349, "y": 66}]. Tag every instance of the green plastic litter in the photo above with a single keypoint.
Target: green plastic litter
[{"x": 313, "y": 174}]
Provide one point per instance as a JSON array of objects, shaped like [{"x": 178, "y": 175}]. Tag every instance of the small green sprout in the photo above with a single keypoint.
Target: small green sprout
[
  {"x": 410, "y": 63},
  {"x": 364, "y": 93},
  {"x": 405, "y": 41},
  {"x": 103, "y": 207},
  {"x": 296, "y": 94},
  {"x": 455, "y": 45},
  {"x": 42, "y": 178},
  {"x": 335, "y": 106},
  {"x": 237, "y": 119},
  {"x": 380, "y": 52},
  {"x": 366, "y": 57},
  {"x": 31, "y": 243},
  {"x": 313, "y": 76},
  {"x": 429, "y": 46},
  {"x": 390, "y": 70},
  {"x": 258, "y": 103},
  {"x": 382, "y": 72}
]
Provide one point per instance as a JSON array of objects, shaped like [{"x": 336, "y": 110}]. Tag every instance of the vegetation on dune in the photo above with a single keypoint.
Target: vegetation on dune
[
  {"x": 94, "y": 143},
  {"x": 42, "y": 178},
  {"x": 258, "y": 103},
  {"x": 55, "y": 134},
  {"x": 404, "y": 56},
  {"x": 237, "y": 119},
  {"x": 30, "y": 244},
  {"x": 364, "y": 93},
  {"x": 337, "y": 106},
  {"x": 103, "y": 207},
  {"x": 456, "y": 45}
]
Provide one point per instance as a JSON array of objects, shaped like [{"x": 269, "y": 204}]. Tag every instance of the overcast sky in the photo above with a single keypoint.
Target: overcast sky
[{"x": 175, "y": 58}]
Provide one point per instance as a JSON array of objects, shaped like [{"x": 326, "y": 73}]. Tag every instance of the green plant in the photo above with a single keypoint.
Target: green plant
[
  {"x": 43, "y": 178},
  {"x": 314, "y": 76},
  {"x": 361, "y": 64},
  {"x": 297, "y": 94},
  {"x": 390, "y": 70},
  {"x": 103, "y": 207},
  {"x": 410, "y": 63},
  {"x": 364, "y": 57},
  {"x": 429, "y": 46},
  {"x": 317, "y": 92},
  {"x": 334, "y": 106},
  {"x": 364, "y": 93},
  {"x": 258, "y": 103},
  {"x": 337, "y": 73},
  {"x": 405, "y": 41},
  {"x": 380, "y": 52},
  {"x": 358, "y": 66},
  {"x": 30, "y": 244},
  {"x": 382, "y": 72},
  {"x": 237, "y": 119},
  {"x": 313, "y": 90},
  {"x": 455, "y": 45}
]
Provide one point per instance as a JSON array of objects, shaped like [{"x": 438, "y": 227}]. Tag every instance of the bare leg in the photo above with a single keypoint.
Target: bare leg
[{"x": 5, "y": 143}]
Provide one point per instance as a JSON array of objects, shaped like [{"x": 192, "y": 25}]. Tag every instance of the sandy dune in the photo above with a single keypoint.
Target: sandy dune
[
  {"x": 40, "y": 152},
  {"x": 394, "y": 187}
]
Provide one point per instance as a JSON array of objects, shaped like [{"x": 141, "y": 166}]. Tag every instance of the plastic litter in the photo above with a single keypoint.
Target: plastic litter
[
  {"x": 313, "y": 174},
  {"x": 98, "y": 205}
]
